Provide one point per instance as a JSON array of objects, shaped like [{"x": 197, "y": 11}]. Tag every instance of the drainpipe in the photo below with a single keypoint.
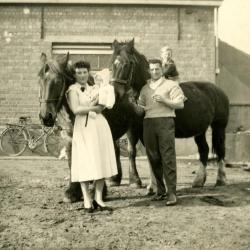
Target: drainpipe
[{"x": 217, "y": 69}]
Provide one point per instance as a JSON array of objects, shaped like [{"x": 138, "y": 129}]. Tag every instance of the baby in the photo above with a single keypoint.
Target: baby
[
  {"x": 102, "y": 91},
  {"x": 106, "y": 92}
]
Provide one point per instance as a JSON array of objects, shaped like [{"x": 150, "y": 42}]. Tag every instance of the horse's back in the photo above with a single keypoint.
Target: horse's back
[
  {"x": 216, "y": 95},
  {"x": 205, "y": 104}
]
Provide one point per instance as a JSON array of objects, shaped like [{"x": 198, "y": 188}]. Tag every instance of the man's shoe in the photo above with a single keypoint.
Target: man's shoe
[
  {"x": 159, "y": 197},
  {"x": 172, "y": 200}
]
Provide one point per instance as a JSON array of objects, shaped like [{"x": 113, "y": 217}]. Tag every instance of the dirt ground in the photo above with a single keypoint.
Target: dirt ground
[{"x": 34, "y": 217}]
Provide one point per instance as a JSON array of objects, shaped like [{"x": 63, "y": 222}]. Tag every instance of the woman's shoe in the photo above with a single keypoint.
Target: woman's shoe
[
  {"x": 89, "y": 210},
  {"x": 101, "y": 208}
]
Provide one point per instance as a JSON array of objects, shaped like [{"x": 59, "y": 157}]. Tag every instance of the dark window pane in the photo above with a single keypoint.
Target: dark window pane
[
  {"x": 93, "y": 60},
  {"x": 97, "y": 62},
  {"x": 104, "y": 61}
]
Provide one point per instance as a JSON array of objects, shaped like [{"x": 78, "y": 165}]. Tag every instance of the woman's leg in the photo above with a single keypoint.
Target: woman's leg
[
  {"x": 86, "y": 194},
  {"x": 98, "y": 192}
]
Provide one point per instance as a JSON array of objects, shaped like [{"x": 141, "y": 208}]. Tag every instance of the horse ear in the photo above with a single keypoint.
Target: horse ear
[
  {"x": 130, "y": 45},
  {"x": 115, "y": 45},
  {"x": 63, "y": 62}
]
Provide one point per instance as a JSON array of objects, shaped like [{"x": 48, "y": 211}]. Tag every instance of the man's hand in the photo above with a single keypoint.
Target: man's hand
[{"x": 159, "y": 98}]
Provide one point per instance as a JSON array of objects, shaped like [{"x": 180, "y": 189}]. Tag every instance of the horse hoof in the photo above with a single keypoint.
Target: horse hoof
[
  {"x": 150, "y": 191},
  {"x": 135, "y": 185},
  {"x": 114, "y": 184},
  {"x": 67, "y": 200},
  {"x": 220, "y": 183},
  {"x": 198, "y": 183}
]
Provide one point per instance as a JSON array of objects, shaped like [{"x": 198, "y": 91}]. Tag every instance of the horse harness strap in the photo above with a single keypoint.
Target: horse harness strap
[
  {"x": 58, "y": 100},
  {"x": 120, "y": 81},
  {"x": 56, "y": 70},
  {"x": 125, "y": 82}
]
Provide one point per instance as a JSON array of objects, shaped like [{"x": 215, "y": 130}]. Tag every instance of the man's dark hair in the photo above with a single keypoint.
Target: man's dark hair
[
  {"x": 155, "y": 61},
  {"x": 82, "y": 64}
]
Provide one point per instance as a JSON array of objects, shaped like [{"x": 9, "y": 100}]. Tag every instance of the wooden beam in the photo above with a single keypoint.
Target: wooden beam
[
  {"x": 120, "y": 2},
  {"x": 178, "y": 24},
  {"x": 42, "y": 22}
]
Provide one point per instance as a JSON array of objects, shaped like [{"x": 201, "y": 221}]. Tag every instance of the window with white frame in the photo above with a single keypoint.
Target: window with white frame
[{"x": 97, "y": 54}]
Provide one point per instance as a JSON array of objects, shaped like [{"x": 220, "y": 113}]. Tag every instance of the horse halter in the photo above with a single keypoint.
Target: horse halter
[{"x": 125, "y": 82}]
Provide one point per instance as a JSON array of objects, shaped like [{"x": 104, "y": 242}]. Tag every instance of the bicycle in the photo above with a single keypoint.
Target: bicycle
[{"x": 18, "y": 136}]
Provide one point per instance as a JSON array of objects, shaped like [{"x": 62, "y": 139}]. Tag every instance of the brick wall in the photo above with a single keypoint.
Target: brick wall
[{"x": 152, "y": 27}]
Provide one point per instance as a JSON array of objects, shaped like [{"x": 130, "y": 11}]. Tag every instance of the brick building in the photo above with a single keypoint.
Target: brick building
[{"x": 87, "y": 29}]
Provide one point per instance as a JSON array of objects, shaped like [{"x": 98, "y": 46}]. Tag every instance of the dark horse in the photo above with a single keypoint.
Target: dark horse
[
  {"x": 206, "y": 106},
  {"x": 55, "y": 78}
]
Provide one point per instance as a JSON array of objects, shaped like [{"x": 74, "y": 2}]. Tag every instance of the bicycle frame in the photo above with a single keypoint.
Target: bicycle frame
[{"x": 32, "y": 142}]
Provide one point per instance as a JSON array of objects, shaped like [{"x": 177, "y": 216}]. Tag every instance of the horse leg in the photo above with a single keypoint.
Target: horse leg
[
  {"x": 134, "y": 179},
  {"x": 116, "y": 180},
  {"x": 218, "y": 141},
  {"x": 203, "y": 149},
  {"x": 74, "y": 191},
  {"x": 151, "y": 187},
  {"x": 221, "y": 175}
]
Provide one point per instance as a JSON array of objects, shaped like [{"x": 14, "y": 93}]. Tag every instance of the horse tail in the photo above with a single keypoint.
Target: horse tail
[
  {"x": 219, "y": 123},
  {"x": 218, "y": 139}
]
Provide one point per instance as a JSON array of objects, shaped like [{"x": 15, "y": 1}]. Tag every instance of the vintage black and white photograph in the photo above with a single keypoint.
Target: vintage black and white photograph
[{"x": 125, "y": 124}]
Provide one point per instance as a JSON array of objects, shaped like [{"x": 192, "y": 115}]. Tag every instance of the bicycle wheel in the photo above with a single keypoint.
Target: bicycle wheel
[
  {"x": 52, "y": 142},
  {"x": 13, "y": 141}
]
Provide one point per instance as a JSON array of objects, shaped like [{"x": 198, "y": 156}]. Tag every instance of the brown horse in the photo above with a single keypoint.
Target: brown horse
[{"x": 206, "y": 105}]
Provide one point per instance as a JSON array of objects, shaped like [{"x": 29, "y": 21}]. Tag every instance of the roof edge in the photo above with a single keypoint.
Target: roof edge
[{"x": 121, "y": 2}]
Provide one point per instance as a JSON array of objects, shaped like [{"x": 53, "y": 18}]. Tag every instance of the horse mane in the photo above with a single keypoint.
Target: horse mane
[{"x": 143, "y": 75}]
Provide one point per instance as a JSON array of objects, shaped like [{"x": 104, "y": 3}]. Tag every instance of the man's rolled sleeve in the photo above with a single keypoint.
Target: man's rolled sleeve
[{"x": 176, "y": 93}]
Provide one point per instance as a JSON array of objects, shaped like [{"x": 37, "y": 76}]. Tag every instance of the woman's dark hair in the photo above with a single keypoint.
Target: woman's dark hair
[{"x": 82, "y": 64}]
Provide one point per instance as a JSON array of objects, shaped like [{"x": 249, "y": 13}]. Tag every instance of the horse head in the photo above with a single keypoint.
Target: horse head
[
  {"x": 54, "y": 81},
  {"x": 129, "y": 68},
  {"x": 129, "y": 75}
]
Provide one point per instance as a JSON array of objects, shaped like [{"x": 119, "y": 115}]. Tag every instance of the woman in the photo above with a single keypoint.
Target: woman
[{"x": 93, "y": 155}]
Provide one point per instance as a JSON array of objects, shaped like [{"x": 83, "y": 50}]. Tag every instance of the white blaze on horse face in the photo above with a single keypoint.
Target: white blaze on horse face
[{"x": 117, "y": 62}]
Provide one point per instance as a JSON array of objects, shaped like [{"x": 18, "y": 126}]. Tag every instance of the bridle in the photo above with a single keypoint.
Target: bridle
[
  {"x": 55, "y": 69},
  {"x": 127, "y": 82}
]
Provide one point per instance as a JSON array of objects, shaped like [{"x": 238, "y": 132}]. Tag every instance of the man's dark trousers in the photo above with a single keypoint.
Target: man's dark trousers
[{"x": 159, "y": 139}]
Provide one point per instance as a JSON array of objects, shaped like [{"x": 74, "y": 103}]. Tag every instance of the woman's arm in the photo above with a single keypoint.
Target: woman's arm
[{"x": 78, "y": 109}]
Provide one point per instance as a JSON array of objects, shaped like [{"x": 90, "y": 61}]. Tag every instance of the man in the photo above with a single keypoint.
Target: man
[
  {"x": 169, "y": 67},
  {"x": 160, "y": 97}
]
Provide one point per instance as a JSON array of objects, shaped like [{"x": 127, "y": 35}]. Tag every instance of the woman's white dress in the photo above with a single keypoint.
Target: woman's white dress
[{"x": 93, "y": 154}]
